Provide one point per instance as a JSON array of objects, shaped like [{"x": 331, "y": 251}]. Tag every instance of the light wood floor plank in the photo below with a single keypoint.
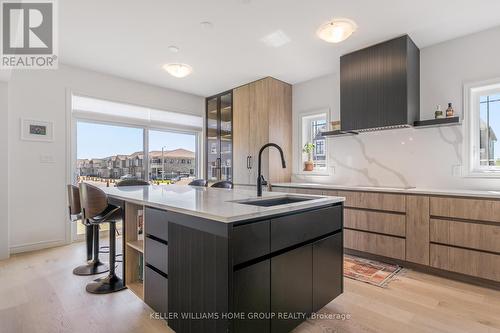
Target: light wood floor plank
[{"x": 39, "y": 293}]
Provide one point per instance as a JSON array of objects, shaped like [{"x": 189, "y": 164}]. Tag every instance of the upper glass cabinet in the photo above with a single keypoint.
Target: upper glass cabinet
[{"x": 219, "y": 141}]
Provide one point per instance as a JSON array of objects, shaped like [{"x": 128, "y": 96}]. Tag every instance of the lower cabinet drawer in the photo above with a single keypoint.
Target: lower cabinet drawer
[
  {"x": 387, "y": 246},
  {"x": 384, "y": 223},
  {"x": 294, "y": 229},
  {"x": 250, "y": 241},
  {"x": 156, "y": 254},
  {"x": 469, "y": 262},
  {"x": 371, "y": 200},
  {"x": 156, "y": 290},
  {"x": 464, "y": 234},
  {"x": 156, "y": 223}
]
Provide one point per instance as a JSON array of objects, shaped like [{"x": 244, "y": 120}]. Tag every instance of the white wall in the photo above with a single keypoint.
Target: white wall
[
  {"x": 408, "y": 157},
  {"x": 37, "y": 193},
  {"x": 4, "y": 225}
]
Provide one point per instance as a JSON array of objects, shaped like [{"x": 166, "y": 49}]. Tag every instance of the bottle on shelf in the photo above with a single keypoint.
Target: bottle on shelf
[
  {"x": 449, "y": 111},
  {"x": 439, "y": 113}
]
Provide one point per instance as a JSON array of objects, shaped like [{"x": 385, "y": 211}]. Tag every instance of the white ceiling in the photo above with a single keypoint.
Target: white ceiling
[{"x": 130, "y": 38}]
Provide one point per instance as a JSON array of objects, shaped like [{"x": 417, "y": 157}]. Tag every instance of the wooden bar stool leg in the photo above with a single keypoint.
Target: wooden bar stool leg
[{"x": 95, "y": 266}]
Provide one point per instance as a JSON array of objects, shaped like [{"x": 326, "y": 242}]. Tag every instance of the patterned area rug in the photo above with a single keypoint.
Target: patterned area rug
[{"x": 369, "y": 271}]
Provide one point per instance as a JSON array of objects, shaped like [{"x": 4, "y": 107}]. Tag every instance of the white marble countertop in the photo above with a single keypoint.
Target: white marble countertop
[
  {"x": 211, "y": 203},
  {"x": 402, "y": 190}
]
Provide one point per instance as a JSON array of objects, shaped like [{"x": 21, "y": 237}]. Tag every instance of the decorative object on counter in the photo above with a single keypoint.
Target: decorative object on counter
[
  {"x": 449, "y": 111},
  {"x": 369, "y": 271},
  {"x": 439, "y": 113},
  {"x": 308, "y": 149},
  {"x": 335, "y": 125}
]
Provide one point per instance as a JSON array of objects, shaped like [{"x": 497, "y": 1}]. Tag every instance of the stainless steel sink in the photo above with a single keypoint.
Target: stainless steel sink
[{"x": 275, "y": 201}]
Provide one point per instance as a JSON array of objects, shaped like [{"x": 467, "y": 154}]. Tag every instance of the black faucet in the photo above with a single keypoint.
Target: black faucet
[{"x": 260, "y": 178}]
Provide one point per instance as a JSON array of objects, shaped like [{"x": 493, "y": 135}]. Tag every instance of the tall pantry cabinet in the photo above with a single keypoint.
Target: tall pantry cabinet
[{"x": 262, "y": 113}]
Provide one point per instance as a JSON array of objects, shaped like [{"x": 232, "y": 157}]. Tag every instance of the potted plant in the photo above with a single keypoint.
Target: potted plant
[{"x": 308, "y": 149}]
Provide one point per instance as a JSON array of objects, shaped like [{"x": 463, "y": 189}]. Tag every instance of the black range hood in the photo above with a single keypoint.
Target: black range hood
[{"x": 380, "y": 86}]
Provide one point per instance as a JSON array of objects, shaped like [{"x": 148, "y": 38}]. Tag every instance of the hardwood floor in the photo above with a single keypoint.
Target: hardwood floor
[{"x": 38, "y": 293}]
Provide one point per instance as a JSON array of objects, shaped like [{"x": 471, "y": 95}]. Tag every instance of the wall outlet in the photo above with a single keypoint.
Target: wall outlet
[{"x": 457, "y": 171}]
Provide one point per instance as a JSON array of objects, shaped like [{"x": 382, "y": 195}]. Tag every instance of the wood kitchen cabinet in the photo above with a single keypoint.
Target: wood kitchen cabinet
[
  {"x": 449, "y": 233},
  {"x": 262, "y": 113}
]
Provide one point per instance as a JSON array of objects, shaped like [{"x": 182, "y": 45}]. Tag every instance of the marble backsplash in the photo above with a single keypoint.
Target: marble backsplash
[{"x": 410, "y": 157}]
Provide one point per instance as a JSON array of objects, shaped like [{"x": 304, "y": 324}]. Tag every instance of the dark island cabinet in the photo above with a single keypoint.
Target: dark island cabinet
[
  {"x": 252, "y": 287},
  {"x": 287, "y": 268},
  {"x": 327, "y": 270},
  {"x": 291, "y": 288}
]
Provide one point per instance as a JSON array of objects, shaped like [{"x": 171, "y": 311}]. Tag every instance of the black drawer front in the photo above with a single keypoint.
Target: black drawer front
[
  {"x": 156, "y": 223},
  {"x": 294, "y": 229},
  {"x": 156, "y": 254},
  {"x": 250, "y": 241},
  {"x": 155, "y": 290}
]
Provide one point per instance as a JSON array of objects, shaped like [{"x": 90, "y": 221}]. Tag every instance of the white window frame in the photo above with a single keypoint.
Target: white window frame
[
  {"x": 472, "y": 93},
  {"x": 300, "y": 154}
]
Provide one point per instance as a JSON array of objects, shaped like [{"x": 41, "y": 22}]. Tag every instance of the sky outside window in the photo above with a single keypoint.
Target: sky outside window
[{"x": 101, "y": 140}]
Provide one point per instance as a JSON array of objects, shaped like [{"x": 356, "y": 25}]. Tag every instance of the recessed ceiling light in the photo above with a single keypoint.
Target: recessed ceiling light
[
  {"x": 337, "y": 30},
  {"x": 173, "y": 49},
  {"x": 276, "y": 39},
  {"x": 178, "y": 70}
]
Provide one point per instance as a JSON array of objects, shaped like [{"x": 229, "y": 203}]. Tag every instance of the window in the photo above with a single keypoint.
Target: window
[
  {"x": 171, "y": 146},
  {"x": 311, "y": 127},
  {"x": 108, "y": 129},
  {"x": 482, "y": 119},
  {"x": 102, "y": 150}
]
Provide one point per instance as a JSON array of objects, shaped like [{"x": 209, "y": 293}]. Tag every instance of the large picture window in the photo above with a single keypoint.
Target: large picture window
[
  {"x": 482, "y": 117},
  {"x": 116, "y": 141}
]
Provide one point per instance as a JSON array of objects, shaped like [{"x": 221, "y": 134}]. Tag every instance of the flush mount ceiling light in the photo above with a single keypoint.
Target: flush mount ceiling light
[
  {"x": 178, "y": 70},
  {"x": 337, "y": 30}
]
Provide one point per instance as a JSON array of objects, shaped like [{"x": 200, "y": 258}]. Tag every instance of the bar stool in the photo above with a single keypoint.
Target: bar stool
[
  {"x": 199, "y": 182},
  {"x": 75, "y": 213},
  {"x": 96, "y": 209},
  {"x": 223, "y": 184}
]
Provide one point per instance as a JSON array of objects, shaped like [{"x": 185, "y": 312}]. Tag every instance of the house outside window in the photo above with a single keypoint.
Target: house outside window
[
  {"x": 311, "y": 126},
  {"x": 482, "y": 123}
]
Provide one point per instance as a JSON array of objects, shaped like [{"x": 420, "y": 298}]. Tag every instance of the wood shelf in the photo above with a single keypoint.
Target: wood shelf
[
  {"x": 137, "y": 287},
  {"x": 437, "y": 122},
  {"x": 137, "y": 245}
]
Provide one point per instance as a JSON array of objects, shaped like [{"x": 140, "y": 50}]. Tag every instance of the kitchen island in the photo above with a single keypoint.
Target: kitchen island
[{"x": 218, "y": 260}]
